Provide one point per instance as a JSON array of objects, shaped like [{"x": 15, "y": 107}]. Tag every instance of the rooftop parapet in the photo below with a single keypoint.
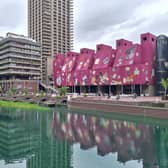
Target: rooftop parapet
[
  {"x": 13, "y": 35},
  {"x": 123, "y": 43},
  {"x": 87, "y": 51}
]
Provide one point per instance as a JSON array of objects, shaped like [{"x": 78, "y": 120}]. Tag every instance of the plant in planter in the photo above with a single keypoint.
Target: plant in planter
[
  {"x": 85, "y": 93},
  {"x": 62, "y": 91},
  {"x": 25, "y": 92},
  {"x": 42, "y": 94},
  {"x": 11, "y": 91},
  {"x": 164, "y": 83}
]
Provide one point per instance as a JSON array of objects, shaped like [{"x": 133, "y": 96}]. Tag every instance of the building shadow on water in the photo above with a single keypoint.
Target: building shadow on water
[
  {"x": 31, "y": 139},
  {"x": 26, "y": 141},
  {"x": 130, "y": 140}
]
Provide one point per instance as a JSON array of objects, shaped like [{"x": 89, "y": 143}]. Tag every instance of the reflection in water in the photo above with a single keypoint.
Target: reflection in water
[
  {"x": 131, "y": 141},
  {"x": 50, "y": 140},
  {"x": 26, "y": 141}
]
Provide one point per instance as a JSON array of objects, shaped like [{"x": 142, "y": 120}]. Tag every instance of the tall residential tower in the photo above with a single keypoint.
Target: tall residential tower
[{"x": 50, "y": 22}]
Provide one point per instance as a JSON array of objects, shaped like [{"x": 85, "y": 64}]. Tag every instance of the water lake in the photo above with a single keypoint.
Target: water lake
[{"x": 64, "y": 139}]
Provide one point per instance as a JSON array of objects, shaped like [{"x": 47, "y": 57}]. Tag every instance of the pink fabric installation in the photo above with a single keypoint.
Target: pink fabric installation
[
  {"x": 127, "y": 56},
  {"x": 135, "y": 74},
  {"x": 148, "y": 43},
  {"x": 57, "y": 67},
  {"x": 127, "y": 64},
  {"x": 84, "y": 65},
  {"x": 134, "y": 63},
  {"x": 69, "y": 68},
  {"x": 104, "y": 59},
  {"x": 90, "y": 131},
  {"x": 63, "y": 73}
]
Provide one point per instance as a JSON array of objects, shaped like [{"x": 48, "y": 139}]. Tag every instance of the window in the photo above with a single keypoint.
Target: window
[{"x": 145, "y": 38}]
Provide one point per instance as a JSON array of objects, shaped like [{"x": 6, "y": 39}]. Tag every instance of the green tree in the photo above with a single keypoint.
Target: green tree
[
  {"x": 42, "y": 94},
  {"x": 164, "y": 83},
  {"x": 25, "y": 92},
  {"x": 11, "y": 91},
  {"x": 62, "y": 91}
]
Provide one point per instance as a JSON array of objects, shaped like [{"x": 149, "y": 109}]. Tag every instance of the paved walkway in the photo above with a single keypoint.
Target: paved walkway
[
  {"x": 139, "y": 106},
  {"x": 126, "y": 98},
  {"x": 138, "y": 99}
]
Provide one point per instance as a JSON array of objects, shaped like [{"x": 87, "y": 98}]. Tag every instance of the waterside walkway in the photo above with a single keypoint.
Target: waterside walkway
[
  {"x": 41, "y": 100},
  {"x": 140, "y": 106}
]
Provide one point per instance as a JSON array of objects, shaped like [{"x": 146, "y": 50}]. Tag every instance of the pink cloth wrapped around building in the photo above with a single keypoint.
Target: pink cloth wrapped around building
[
  {"x": 128, "y": 75},
  {"x": 83, "y": 77},
  {"x": 123, "y": 43},
  {"x": 84, "y": 64},
  {"x": 57, "y": 68},
  {"x": 134, "y": 63},
  {"x": 128, "y": 55},
  {"x": 115, "y": 75},
  {"x": 104, "y": 59},
  {"x": 128, "y": 64},
  {"x": 85, "y": 60},
  {"x": 107, "y": 135},
  {"x": 63, "y": 68},
  {"x": 70, "y": 62},
  {"x": 148, "y": 43}
]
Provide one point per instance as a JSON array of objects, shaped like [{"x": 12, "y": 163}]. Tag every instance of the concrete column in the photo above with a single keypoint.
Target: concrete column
[
  {"x": 109, "y": 90},
  {"x": 151, "y": 90}
]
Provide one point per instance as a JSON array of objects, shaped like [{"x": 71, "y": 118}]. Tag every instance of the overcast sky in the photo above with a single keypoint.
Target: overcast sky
[{"x": 97, "y": 21}]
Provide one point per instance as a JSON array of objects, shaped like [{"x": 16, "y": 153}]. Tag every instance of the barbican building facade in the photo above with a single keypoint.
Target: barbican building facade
[{"x": 129, "y": 68}]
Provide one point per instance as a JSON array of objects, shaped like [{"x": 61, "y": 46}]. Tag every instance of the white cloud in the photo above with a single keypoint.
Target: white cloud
[
  {"x": 13, "y": 17},
  {"x": 97, "y": 22},
  {"x": 129, "y": 20}
]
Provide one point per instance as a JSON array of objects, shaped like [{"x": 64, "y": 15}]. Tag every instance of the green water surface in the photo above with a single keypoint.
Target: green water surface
[{"x": 74, "y": 139}]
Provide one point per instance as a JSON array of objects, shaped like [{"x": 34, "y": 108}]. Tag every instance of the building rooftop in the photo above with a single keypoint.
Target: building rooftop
[{"x": 13, "y": 35}]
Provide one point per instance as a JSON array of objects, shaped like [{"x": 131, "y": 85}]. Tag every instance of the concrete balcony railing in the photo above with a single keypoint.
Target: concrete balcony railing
[
  {"x": 9, "y": 72},
  {"x": 18, "y": 56}
]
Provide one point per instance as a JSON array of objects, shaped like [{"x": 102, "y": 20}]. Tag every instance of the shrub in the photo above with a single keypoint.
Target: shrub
[
  {"x": 62, "y": 91},
  {"x": 42, "y": 93},
  {"x": 164, "y": 83}
]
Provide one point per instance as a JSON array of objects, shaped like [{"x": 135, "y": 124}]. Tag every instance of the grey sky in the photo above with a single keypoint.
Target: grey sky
[
  {"x": 13, "y": 16},
  {"x": 112, "y": 19},
  {"x": 97, "y": 21}
]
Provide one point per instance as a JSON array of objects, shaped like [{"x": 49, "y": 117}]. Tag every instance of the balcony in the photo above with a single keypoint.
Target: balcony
[{"x": 28, "y": 58}]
